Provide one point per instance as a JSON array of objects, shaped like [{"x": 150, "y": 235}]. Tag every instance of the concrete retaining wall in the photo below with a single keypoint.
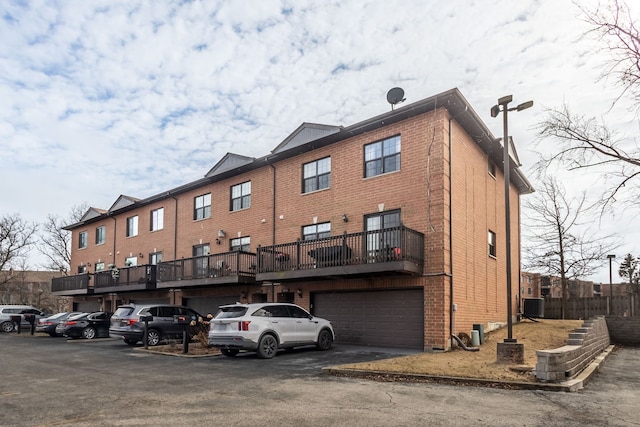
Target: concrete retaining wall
[
  {"x": 583, "y": 345},
  {"x": 624, "y": 330}
]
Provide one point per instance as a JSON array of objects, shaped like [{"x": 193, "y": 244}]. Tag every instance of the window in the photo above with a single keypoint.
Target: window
[
  {"x": 202, "y": 206},
  {"x": 157, "y": 219},
  {"x": 316, "y": 231},
  {"x": 131, "y": 261},
  {"x": 492, "y": 168},
  {"x": 382, "y": 157},
  {"x": 316, "y": 175},
  {"x": 383, "y": 233},
  {"x": 241, "y": 244},
  {"x": 101, "y": 234},
  {"x": 155, "y": 258},
  {"x": 82, "y": 240},
  {"x": 99, "y": 266},
  {"x": 241, "y": 196},
  {"x": 82, "y": 269},
  {"x": 132, "y": 226},
  {"x": 492, "y": 243}
]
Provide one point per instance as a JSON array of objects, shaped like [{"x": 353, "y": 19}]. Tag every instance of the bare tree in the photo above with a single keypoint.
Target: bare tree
[
  {"x": 585, "y": 142},
  {"x": 558, "y": 240},
  {"x": 16, "y": 237},
  {"x": 56, "y": 242}
]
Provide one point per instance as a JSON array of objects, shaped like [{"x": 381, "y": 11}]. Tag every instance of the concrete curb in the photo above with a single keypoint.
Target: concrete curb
[
  {"x": 571, "y": 385},
  {"x": 164, "y": 353}
]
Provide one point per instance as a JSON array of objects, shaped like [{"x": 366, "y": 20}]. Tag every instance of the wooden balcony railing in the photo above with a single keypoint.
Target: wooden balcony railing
[
  {"x": 79, "y": 284},
  {"x": 138, "y": 277},
  {"x": 398, "y": 249},
  {"x": 229, "y": 267}
]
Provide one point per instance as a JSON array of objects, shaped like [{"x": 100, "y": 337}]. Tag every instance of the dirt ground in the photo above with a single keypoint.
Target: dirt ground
[{"x": 541, "y": 335}]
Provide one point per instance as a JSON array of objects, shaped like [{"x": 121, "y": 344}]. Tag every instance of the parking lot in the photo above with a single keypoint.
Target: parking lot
[{"x": 52, "y": 382}]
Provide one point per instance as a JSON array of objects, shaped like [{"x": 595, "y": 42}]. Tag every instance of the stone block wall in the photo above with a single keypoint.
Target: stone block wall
[
  {"x": 624, "y": 330},
  {"x": 583, "y": 345}
]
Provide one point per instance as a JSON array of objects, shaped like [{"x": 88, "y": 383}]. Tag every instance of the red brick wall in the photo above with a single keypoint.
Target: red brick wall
[{"x": 420, "y": 189}]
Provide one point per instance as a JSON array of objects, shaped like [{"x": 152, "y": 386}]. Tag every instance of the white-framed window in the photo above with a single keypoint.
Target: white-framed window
[
  {"x": 316, "y": 175},
  {"x": 155, "y": 258},
  {"x": 131, "y": 261},
  {"x": 157, "y": 219},
  {"x": 241, "y": 196},
  {"x": 491, "y": 168},
  {"x": 382, "y": 156},
  {"x": 492, "y": 243},
  {"x": 241, "y": 244},
  {"x": 202, "y": 206},
  {"x": 99, "y": 266},
  {"x": 101, "y": 235},
  {"x": 83, "y": 238},
  {"x": 132, "y": 226},
  {"x": 316, "y": 231}
]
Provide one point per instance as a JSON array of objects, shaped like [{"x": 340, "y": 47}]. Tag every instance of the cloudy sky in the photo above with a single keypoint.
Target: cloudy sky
[{"x": 102, "y": 98}]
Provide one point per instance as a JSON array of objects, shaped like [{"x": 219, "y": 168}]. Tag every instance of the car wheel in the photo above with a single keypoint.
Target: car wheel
[
  {"x": 153, "y": 337},
  {"x": 7, "y": 326},
  {"x": 130, "y": 342},
  {"x": 325, "y": 339},
  {"x": 229, "y": 352},
  {"x": 88, "y": 333},
  {"x": 267, "y": 347}
]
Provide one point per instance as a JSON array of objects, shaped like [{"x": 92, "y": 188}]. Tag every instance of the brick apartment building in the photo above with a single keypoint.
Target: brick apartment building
[{"x": 392, "y": 228}]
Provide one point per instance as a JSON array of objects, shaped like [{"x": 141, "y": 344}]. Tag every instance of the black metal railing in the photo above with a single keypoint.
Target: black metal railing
[
  {"x": 387, "y": 245},
  {"x": 79, "y": 282},
  {"x": 125, "y": 276},
  {"x": 235, "y": 263}
]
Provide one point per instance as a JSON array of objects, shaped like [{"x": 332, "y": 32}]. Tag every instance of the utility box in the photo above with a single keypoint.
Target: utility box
[
  {"x": 480, "y": 328},
  {"x": 533, "y": 307}
]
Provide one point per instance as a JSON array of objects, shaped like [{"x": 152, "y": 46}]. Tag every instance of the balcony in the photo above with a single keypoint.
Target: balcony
[
  {"x": 398, "y": 250},
  {"x": 72, "y": 285},
  {"x": 215, "y": 269},
  {"x": 135, "y": 278}
]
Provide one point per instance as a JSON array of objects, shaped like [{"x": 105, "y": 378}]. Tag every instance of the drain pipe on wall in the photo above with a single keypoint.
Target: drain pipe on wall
[
  {"x": 451, "y": 304},
  {"x": 273, "y": 220}
]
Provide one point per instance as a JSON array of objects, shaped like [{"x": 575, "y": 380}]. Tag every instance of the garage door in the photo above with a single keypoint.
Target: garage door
[
  {"x": 375, "y": 318},
  {"x": 141, "y": 301},
  {"x": 208, "y": 305},
  {"x": 86, "y": 306}
]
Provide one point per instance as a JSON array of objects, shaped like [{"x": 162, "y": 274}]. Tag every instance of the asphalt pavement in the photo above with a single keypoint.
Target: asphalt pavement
[{"x": 52, "y": 382}]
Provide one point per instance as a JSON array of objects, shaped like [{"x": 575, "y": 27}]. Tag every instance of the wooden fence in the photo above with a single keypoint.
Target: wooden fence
[{"x": 584, "y": 308}]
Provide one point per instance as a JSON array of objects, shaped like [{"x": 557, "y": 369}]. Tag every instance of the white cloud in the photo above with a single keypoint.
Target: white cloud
[{"x": 115, "y": 97}]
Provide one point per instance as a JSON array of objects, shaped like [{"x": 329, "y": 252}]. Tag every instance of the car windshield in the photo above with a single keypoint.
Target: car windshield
[{"x": 229, "y": 312}]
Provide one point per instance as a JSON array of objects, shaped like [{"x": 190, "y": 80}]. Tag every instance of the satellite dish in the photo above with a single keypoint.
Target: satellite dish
[{"x": 395, "y": 96}]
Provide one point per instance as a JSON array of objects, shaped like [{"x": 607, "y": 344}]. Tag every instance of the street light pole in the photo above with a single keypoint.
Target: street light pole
[
  {"x": 611, "y": 257},
  {"x": 495, "y": 110}
]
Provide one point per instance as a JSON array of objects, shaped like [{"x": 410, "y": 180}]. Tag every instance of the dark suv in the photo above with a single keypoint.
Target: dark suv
[{"x": 126, "y": 322}]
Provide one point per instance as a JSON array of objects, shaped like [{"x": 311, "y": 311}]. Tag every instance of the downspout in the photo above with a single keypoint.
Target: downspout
[
  {"x": 273, "y": 220},
  {"x": 175, "y": 229},
  {"x": 451, "y": 305},
  {"x": 115, "y": 230}
]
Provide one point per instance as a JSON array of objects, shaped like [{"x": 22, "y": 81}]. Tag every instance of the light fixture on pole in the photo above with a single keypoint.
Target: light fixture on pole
[
  {"x": 495, "y": 110},
  {"x": 611, "y": 257}
]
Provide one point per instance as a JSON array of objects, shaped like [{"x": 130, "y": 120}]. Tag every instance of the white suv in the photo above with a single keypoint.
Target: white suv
[
  {"x": 6, "y": 311},
  {"x": 264, "y": 328}
]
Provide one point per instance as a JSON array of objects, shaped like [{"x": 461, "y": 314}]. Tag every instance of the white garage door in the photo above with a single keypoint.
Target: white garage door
[{"x": 375, "y": 318}]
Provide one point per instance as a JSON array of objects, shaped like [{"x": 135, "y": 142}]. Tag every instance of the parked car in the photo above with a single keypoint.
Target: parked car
[
  {"x": 264, "y": 328},
  {"x": 126, "y": 322},
  {"x": 6, "y": 311},
  {"x": 48, "y": 325},
  {"x": 87, "y": 325}
]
